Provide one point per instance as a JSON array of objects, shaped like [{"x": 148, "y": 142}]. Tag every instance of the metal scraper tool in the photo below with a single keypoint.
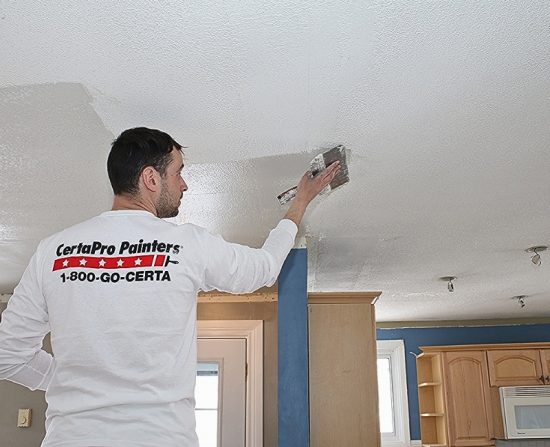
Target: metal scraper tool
[{"x": 319, "y": 164}]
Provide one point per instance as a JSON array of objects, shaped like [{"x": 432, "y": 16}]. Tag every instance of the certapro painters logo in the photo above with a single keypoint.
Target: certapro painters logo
[{"x": 148, "y": 261}]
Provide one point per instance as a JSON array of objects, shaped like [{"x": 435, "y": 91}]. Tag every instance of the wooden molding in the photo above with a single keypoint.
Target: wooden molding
[
  {"x": 220, "y": 297},
  {"x": 343, "y": 297},
  {"x": 252, "y": 331},
  {"x": 538, "y": 345},
  {"x": 271, "y": 295},
  {"x": 461, "y": 323}
]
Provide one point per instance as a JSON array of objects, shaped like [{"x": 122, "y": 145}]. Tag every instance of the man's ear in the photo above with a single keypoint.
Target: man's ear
[{"x": 150, "y": 178}]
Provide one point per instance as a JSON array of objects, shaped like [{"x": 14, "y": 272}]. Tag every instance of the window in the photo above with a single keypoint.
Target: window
[
  {"x": 207, "y": 403},
  {"x": 392, "y": 393}
]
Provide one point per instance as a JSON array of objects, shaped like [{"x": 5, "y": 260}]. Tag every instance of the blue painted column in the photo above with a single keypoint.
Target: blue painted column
[{"x": 293, "y": 352}]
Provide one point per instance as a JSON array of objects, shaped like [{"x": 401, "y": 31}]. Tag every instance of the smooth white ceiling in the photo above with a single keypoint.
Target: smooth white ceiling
[{"x": 444, "y": 106}]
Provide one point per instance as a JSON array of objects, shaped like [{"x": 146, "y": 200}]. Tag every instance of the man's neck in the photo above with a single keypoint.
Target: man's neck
[{"x": 125, "y": 202}]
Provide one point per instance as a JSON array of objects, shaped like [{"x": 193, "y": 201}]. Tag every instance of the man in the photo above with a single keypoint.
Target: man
[{"x": 118, "y": 294}]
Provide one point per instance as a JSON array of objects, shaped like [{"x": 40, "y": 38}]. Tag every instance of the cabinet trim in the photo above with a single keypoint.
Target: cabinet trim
[{"x": 496, "y": 346}]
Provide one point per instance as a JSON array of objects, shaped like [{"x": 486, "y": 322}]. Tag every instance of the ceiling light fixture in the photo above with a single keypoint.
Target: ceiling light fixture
[
  {"x": 449, "y": 280},
  {"x": 535, "y": 259},
  {"x": 521, "y": 300}
]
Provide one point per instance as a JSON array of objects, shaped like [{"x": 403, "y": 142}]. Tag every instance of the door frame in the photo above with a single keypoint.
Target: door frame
[{"x": 252, "y": 331}]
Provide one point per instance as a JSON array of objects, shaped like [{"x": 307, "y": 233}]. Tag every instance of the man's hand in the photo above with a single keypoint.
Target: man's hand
[{"x": 308, "y": 189}]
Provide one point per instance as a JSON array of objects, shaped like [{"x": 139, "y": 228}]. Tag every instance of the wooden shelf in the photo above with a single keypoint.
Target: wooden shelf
[{"x": 431, "y": 400}]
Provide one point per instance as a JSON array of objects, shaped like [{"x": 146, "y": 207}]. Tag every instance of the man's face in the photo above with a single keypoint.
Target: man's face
[{"x": 172, "y": 187}]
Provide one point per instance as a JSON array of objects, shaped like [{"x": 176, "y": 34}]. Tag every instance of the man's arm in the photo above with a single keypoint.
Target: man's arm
[
  {"x": 22, "y": 329},
  {"x": 239, "y": 269}
]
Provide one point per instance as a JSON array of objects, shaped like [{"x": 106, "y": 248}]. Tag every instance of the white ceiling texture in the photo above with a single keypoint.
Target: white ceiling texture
[{"x": 443, "y": 105}]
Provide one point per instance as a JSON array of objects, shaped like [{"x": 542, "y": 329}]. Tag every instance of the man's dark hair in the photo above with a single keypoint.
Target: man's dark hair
[{"x": 134, "y": 150}]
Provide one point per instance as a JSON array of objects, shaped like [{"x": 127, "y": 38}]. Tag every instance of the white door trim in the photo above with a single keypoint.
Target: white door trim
[{"x": 252, "y": 331}]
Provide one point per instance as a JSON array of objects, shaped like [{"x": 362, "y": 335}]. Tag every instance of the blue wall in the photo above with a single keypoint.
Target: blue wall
[
  {"x": 415, "y": 337},
  {"x": 293, "y": 411}
]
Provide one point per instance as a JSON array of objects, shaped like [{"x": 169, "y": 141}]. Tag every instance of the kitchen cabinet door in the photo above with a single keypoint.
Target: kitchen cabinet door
[
  {"x": 467, "y": 393},
  {"x": 545, "y": 359},
  {"x": 515, "y": 367}
]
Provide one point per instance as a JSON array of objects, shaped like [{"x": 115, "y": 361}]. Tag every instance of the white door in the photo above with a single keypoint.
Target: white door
[{"x": 221, "y": 392}]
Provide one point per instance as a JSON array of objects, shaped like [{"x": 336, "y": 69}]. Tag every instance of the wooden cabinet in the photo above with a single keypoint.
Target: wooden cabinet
[
  {"x": 468, "y": 400},
  {"x": 342, "y": 370},
  {"x": 453, "y": 398},
  {"x": 458, "y": 392},
  {"x": 510, "y": 367},
  {"x": 515, "y": 367}
]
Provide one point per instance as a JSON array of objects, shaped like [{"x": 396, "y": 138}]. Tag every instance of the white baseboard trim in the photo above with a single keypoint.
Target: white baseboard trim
[{"x": 416, "y": 443}]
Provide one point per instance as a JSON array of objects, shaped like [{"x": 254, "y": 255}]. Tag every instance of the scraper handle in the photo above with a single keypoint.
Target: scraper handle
[{"x": 288, "y": 195}]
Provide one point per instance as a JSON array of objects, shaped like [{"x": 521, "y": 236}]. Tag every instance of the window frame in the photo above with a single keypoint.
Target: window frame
[{"x": 395, "y": 351}]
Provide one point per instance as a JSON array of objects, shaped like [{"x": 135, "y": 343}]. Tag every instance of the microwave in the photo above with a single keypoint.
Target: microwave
[{"x": 525, "y": 411}]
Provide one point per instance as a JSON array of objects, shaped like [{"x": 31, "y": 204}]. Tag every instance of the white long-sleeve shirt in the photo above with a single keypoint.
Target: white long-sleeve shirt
[{"x": 118, "y": 294}]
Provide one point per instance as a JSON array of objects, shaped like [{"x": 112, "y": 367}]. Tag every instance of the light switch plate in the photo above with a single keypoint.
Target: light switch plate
[{"x": 24, "y": 417}]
